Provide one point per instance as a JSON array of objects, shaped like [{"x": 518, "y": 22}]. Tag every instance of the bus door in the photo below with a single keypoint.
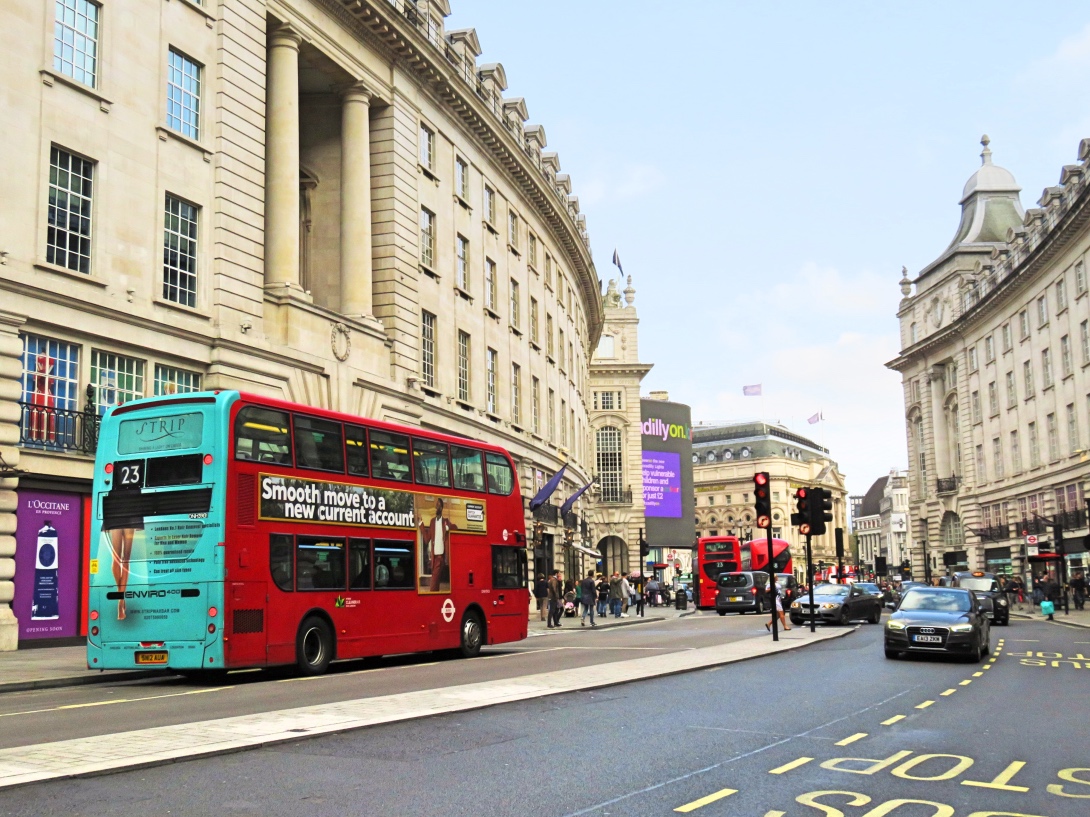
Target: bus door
[
  {"x": 244, "y": 619},
  {"x": 510, "y": 596}
]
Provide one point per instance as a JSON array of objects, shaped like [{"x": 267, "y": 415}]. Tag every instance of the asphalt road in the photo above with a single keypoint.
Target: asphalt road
[
  {"x": 835, "y": 729},
  {"x": 60, "y": 714}
]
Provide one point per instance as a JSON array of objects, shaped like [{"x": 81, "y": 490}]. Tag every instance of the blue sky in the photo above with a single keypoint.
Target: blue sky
[{"x": 765, "y": 170}]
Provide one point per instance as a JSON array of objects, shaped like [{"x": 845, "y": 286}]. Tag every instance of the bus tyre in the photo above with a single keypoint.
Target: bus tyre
[
  {"x": 472, "y": 635},
  {"x": 314, "y": 646}
]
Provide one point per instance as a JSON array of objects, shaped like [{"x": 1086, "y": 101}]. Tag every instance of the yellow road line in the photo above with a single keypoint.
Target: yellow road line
[
  {"x": 703, "y": 801},
  {"x": 794, "y": 764},
  {"x": 949, "y": 692},
  {"x": 924, "y": 705},
  {"x": 987, "y": 666},
  {"x": 893, "y": 720},
  {"x": 977, "y": 674},
  {"x": 851, "y": 739},
  {"x": 966, "y": 682},
  {"x": 108, "y": 703},
  {"x": 776, "y": 814}
]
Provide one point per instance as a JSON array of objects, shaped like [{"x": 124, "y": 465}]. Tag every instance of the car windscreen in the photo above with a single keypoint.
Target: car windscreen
[
  {"x": 984, "y": 585},
  {"x": 734, "y": 580},
  {"x": 831, "y": 590},
  {"x": 937, "y": 601}
]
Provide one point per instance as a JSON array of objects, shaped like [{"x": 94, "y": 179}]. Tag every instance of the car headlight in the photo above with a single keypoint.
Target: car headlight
[
  {"x": 1001, "y": 602},
  {"x": 961, "y": 628},
  {"x": 794, "y": 605},
  {"x": 829, "y": 606},
  {"x": 895, "y": 625}
]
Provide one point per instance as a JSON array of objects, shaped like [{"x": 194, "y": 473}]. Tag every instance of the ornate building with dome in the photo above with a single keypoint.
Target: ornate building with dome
[{"x": 995, "y": 362}]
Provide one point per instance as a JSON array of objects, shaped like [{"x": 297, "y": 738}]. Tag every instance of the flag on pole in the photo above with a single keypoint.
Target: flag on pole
[
  {"x": 815, "y": 419},
  {"x": 617, "y": 261},
  {"x": 752, "y": 391},
  {"x": 570, "y": 501},
  {"x": 543, "y": 495}
]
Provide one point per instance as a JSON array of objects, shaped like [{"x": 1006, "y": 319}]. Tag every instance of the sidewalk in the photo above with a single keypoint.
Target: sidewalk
[
  {"x": 569, "y": 624},
  {"x": 1076, "y": 618}
]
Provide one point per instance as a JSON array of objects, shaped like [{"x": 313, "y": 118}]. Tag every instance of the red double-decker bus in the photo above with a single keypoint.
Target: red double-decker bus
[
  {"x": 238, "y": 531},
  {"x": 714, "y": 556},
  {"x": 755, "y": 555}
]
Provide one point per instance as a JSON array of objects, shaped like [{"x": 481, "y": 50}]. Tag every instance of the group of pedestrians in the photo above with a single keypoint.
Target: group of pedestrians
[{"x": 596, "y": 593}]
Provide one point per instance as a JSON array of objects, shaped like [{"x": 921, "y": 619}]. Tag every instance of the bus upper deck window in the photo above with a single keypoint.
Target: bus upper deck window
[
  {"x": 500, "y": 479},
  {"x": 430, "y": 461},
  {"x": 261, "y": 435},
  {"x": 390, "y": 456},
  {"x": 318, "y": 444},
  {"x": 468, "y": 473},
  {"x": 355, "y": 447}
]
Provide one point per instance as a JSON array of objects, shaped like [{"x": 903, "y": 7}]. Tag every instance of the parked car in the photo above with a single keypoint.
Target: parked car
[
  {"x": 743, "y": 591},
  {"x": 791, "y": 588},
  {"x": 945, "y": 620},
  {"x": 992, "y": 599},
  {"x": 838, "y": 604}
]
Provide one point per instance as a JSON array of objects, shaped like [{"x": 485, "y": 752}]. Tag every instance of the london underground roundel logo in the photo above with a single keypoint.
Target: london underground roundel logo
[{"x": 448, "y": 611}]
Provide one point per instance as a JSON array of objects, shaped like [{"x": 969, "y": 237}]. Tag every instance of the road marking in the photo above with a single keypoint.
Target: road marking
[
  {"x": 116, "y": 701},
  {"x": 977, "y": 674},
  {"x": 1025, "y": 640},
  {"x": 794, "y": 764},
  {"x": 851, "y": 739},
  {"x": 776, "y": 814},
  {"x": 893, "y": 720},
  {"x": 949, "y": 692},
  {"x": 703, "y": 801},
  {"x": 987, "y": 666},
  {"x": 966, "y": 682},
  {"x": 1001, "y": 780},
  {"x": 924, "y": 705}
]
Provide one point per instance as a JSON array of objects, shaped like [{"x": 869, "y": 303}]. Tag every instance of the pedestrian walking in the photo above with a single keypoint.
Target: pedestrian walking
[
  {"x": 589, "y": 595},
  {"x": 556, "y": 598},
  {"x": 615, "y": 594},
  {"x": 626, "y": 596},
  {"x": 541, "y": 596},
  {"x": 1050, "y": 592},
  {"x": 603, "y": 595},
  {"x": 778, "y": 613},
  {"x": 1078, "y": 590}
]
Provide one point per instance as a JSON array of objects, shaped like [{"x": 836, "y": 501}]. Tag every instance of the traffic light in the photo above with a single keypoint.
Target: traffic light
[
  {"x": 801, "y": 519},
  {"x": 820, "y": 506},
  {"x": 839, "y": 543},
  {"x": 645, "y": 547},
  {"x": 762, "y": 502}
]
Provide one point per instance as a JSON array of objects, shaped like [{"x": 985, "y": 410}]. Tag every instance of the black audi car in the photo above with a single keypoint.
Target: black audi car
[
  {"x": 944, "y": 620},
  {"x": 986, "y": 586}
]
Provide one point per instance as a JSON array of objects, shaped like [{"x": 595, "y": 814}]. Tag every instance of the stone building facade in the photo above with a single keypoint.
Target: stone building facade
[
  {"x": 725, "y": 458},
  {"x": 995, "y": 362},
  {"x": 881, "y": 526},
  {"x": 325, "y": 200}
]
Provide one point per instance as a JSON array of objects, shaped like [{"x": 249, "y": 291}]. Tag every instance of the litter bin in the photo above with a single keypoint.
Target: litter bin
[{"x": 681, "y": 601}]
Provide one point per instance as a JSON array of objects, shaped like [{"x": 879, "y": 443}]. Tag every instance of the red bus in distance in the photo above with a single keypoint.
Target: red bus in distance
[
  {"x": 714, "y": 555},
  {"x": 755, "y": 555}
]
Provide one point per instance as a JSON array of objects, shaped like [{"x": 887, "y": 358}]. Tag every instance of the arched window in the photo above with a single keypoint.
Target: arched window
[
  {"x": 953, "y": 534},
  {"x": 610, "y": 464}
]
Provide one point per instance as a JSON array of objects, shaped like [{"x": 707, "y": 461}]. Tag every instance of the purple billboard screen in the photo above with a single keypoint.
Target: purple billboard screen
[
  {"x": 47, "y": 564},
  {"x": 662, "y": 484}
]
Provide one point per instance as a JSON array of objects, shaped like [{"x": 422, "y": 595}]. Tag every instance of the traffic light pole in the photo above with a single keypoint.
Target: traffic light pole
[
  {"x": 810, "y": 583},
  {"x": 772, "y": 588}
]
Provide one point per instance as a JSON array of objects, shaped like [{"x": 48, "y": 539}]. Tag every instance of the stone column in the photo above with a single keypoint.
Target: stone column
[
  {"x": 282, "y": 160},
  {"x": 356, "y": 276},
  {"x": 11, "y": 370},
  {"x": 940, "y": 442}
]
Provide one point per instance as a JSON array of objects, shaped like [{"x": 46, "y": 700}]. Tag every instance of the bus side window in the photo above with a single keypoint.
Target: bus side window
[
  {"x": 430, "y": 460},
  {"x": 355, "y": 446},
  {"x": 320, "y": 562},
  {"x": 390, "y": 456},
  {"x": 395, "y": 567},
  {"x": 318, "y": 444},
  {"x": 500, "y": 479},
  {"x": 281, "y": 560},
  {"x": 262, "y": 435},
  {"x": 468, "y": 474},
  {"x": 359, "y": 564},
  {"x": 508, "y": 567}
]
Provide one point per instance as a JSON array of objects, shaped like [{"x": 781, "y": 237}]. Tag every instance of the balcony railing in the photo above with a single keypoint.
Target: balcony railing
[
  {"x": 1071, "y": 520},
  {"x": 571, "y": 520},
  {"x": 56, "y": 429},
  {"x": 946, "y": 485},
  {"x": 996, "y": 533},
  {"x": 615, "y": 496},
  {"x": 547, "y": 513},
  {"x": 1034, "y": 526}
]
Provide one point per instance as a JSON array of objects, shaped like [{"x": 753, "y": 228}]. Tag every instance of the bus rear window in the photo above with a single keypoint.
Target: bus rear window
[
  {"x": 164, "y": 432},
  {"x": 500, "y": 479},
  {"x": 390, "y": 456},
  {"x": 262, "y": 435},
  {"x": 318, "y": 444}
]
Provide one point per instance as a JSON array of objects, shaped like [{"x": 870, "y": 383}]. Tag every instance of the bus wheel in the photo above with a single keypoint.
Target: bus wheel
[
  {"x": 472, "y": 636},
  {"x": 314, "y": 646}
]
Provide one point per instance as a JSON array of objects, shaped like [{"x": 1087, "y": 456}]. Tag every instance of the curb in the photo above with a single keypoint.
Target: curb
[{"x": 82, "y": 680}]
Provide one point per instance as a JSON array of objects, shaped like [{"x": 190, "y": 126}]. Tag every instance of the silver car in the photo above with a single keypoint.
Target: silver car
[{"x": 837, "y": 603}]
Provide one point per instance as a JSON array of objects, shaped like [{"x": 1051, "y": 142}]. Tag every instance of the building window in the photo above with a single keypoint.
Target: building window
[
  {"x": 551, "y": 414},
  {"x": 1072, "y": 429},
  {"x": 180, "y": 252},
  {"x": 461, "y": 179},
  {"x": 117, "y": 379},
  {"x": 997, "y": 457},
  {"x": 489, "y": 205},
  {"x": 548, "y": 271},
  {"x": 531, "y": 249},
  {"x": 571, "y": 356},
  {"x": 1005, "y": 332},
  {"x": 608, "y": 403},
  {"x": 1065, "y": 356},
  {"x": 169, "y": 380},
  {"x": 989, "y": 349},
  {"x": 427, "y": 348},
  {"x": 492, "y": 361},
  {"x": 1052, "y": 427},
  {"x": 490, "y": 284},
  {"x": 1042, "y": 311},
  {"x": 184, "y": 95},
  {"x": 68, "y": 239},
  {"x": 972, "y": 359},
  {"x": 912, "y": 333},
  {"x": 50, "y": 379},
  {"x": 516, "y": 393},
  {"x": 463, "y": 366},
  {"x": 461, "y": 250},
  {"x": 1080, "y": 278},
  {"x": 610, "y": 463},
  {"x": 513, "y": 230},
  {"x": 993, "y": 399},
  {"x": 1034, "y": 446},
  {"x": 1061, "y": 296},
  {"x": 1084, "y": 333},
  {"x": 516, "y": 310},
  {"x": 981, "y": 475},
  {"x": 1046, "y": 367},
  {"x": 560, "y": 349},
  {"x": 914, "y": 391},
  {"x": 548, "y": 334},
  {"x": 535, "y": 405},
  {"x": 427, "y": 237},
  {"x": 427, "y": 147},
  {"x": 75, "y": 40},
  {"x": 533, "y": 320},
  {"x": 1027, "y": 378},
  {"x": 974, "y": 401},
  {"x": 1016, "y": 454},
  {"x": 1023, "y": 323},
  {"x": 563, "y": 421},
  {"x": 1012, "y": 391}
]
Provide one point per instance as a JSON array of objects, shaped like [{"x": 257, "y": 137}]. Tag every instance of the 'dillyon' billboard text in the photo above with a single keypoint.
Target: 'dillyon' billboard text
[{"x": 669, "y": 506}]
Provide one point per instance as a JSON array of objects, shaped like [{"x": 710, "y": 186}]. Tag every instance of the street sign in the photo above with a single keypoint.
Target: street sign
[
  {"x": 1032, "y": 550},
  {"x": 1031, "y": 539}
]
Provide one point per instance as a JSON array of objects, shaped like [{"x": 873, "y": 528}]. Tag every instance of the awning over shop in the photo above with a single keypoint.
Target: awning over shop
[{"x": 587, "y": 551}]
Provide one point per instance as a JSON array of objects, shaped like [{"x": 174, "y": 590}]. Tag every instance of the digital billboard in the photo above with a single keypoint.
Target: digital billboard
[{"x": 669, "y": 506}]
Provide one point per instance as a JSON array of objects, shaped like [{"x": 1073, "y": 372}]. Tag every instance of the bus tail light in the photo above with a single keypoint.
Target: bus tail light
[
  {"x": 212, "y": 611},
  {"x": 94, "y": 615},
  {"x": 109, "y": 468},
  {"x": 211, "y": 628},
  {"x": 153, "y": 643},
  {"x": 207, "y": 459}
]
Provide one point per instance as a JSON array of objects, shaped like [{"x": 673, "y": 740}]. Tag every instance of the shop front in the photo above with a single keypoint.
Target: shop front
[{"x": 997, "y": 560}]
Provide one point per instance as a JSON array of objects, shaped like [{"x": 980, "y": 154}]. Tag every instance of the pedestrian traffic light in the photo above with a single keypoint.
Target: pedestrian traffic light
[
  {"x": 820, "y": 507},
  {"x": 762, "y": 501},
  {"x": 801, "y": 519}
]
